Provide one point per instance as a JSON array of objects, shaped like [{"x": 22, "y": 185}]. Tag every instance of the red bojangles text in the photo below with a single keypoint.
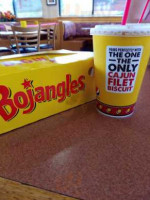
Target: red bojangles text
[{"x": 11, "y": 104}]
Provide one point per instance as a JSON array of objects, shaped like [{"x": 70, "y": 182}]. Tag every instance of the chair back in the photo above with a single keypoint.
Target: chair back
[
  {"x": 50, "y": 31},
  {"x": 10, "y": 36},
  {"x": 26, "y": 37}
]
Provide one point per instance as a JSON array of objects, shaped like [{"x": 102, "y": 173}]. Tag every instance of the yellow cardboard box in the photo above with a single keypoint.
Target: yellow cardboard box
[{"x": 39, "y": 85}]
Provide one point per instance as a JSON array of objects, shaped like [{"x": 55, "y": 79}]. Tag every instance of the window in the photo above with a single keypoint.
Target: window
[
  {"x": 6, "y": 6},
  {"x": 28, "y": 8},
  {"x": 76, "y": 7},
  {"x": 92, "y": 7},
  {"x": 109, "y": 7}
]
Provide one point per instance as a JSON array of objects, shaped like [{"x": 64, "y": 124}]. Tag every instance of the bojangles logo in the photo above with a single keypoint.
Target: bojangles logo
[{"x": 10, "y": 104}]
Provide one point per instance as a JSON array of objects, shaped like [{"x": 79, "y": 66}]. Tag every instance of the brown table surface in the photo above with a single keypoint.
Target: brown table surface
[{"x": 84, "y": 154}]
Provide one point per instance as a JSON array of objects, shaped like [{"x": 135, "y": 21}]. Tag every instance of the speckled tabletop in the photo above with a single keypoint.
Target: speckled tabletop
[{"x": 84, "y": 154}]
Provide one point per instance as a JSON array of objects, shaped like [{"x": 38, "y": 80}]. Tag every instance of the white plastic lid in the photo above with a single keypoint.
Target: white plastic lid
[{"x": 122, "y": 30}]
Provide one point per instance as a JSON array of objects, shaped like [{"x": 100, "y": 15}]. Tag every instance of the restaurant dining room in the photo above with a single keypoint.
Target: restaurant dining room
[{"x": 74, "y": 100}]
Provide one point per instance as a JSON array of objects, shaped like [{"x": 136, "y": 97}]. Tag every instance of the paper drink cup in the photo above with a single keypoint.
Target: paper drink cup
[
  {"x": 36, "y": 22},
  {"x": 23, "y": 24},
  {"x": 121, "y": 54}
]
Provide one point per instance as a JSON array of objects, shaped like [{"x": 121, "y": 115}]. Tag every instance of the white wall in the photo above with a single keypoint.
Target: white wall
[{"x": 50, "y": 11}]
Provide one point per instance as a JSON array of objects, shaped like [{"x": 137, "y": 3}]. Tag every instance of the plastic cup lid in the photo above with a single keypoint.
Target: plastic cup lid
[{"x": 122, "y": 30}]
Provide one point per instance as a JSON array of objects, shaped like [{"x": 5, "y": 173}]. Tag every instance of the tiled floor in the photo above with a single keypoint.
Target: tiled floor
[{"x": 83, "y": 154}]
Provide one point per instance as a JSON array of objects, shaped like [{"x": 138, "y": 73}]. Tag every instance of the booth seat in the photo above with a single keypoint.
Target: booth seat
[{"x": 76, "y": 35}]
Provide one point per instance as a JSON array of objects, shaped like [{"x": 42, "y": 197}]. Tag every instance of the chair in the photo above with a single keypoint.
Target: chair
[
  {"x": 27, "y": 38},
  {"x": 50, "y": 31}
]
